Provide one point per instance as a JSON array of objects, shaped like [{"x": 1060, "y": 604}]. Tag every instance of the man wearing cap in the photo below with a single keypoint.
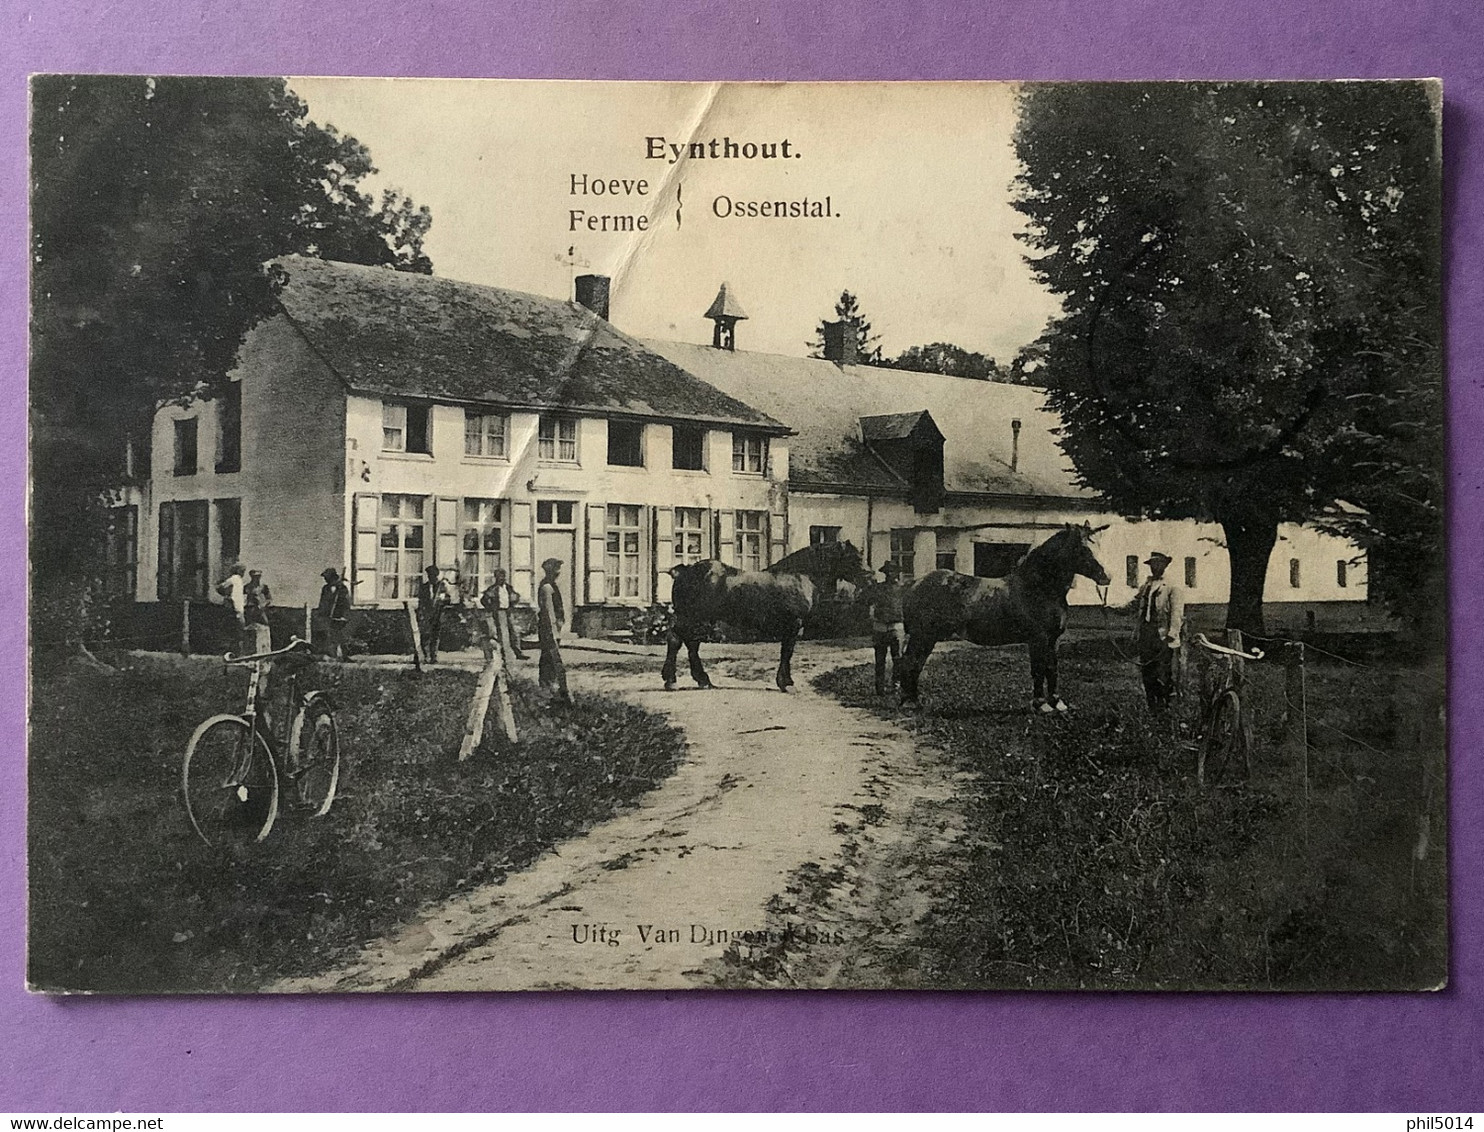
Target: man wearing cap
[
  {"x": 1160, "y": 609},
  {"x": 888, "y": 634},
  {"x": 334, "y": 610},
  {"x": 551, "y": 623},
  {"x": 256, "y": 598},
  {"x": 432, "y": 599}
]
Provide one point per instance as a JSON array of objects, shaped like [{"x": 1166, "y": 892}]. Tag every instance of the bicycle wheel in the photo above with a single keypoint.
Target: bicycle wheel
[
  {"x": 1225, "y": 751},
  {"x": 314, "y": 756},
  {"x": 229, "y": 783}
]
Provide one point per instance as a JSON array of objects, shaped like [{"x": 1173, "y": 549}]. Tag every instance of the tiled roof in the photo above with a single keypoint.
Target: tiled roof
[
  {"x": 398, "y": 334},
  {"x": 891, "y": 426},
  {"x": 824, "y": 404}
]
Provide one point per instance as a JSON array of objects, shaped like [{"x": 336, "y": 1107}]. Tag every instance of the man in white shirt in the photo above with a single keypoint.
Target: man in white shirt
[
  {"x": 234, "y": 588},
  {"x": 1160, "y": 609}
]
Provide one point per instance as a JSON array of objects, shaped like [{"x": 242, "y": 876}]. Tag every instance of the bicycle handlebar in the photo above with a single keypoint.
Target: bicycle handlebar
[
  {"x": 1255, "y": 654},
  {"x": 295, "y": 645}
]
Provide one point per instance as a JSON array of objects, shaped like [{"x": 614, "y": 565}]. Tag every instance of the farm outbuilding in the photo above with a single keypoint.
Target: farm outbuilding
[{"x": 383, "y": 421}]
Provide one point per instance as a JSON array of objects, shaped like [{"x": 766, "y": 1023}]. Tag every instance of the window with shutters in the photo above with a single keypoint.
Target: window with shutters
[
  {"x": 904, "y": 552},
  {"x": 402, "y": 531},
  {"x": 688, "y": 449},
  {"x": 823, "y": 536},
  {"x": 626, "y": 444},
  {"x": 1131, "y": 571},
  {"x": 752, "y": 529},
  {"x": 485, "y": 434},
  {"x": 1190, "y": 573},
  {"x": 623, "y": 555},
  {"x": 556, "y": 439},
  {"x": 749, "y": 453},
  {"x": 481, "y": 531},
  {"x": 404, "y": 428},
  {"x": 690, "y": 532}
]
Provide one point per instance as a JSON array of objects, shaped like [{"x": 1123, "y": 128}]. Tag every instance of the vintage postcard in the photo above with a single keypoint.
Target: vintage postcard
[{"x": 533, "y": 535}]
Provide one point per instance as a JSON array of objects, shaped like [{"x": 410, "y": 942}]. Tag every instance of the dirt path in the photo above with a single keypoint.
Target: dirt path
[{"x": 784, "y": 851}]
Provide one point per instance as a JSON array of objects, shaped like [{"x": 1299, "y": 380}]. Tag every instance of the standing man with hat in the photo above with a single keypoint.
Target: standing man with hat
[
  {"x": 1160, "y": 608},
  {"x": 888, "y": 633},
  {"x": 432, "y": 599},
  {"x": 256, "y": 598},
  {"x": 334, "y": 609},
  {"x": 551, "y": 623}
]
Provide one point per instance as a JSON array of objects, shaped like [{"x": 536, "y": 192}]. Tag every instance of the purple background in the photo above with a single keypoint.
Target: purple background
[{"x": 755, "y": 1051}]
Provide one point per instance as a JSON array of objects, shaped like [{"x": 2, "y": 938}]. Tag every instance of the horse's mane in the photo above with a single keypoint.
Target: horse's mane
[{"x": 1043, "y": 563}]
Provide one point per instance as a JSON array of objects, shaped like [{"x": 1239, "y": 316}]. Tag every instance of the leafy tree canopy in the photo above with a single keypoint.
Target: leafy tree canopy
[
  {"x": 944, "y": 357},
  {"x": 1250, "y": 333},
  {"x": 155, "y": 205}
]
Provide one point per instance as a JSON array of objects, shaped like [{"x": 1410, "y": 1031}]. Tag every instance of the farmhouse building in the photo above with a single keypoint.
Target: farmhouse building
[
  {"x": 383, "y": 422},
  {"x": 386, "y": 421}
]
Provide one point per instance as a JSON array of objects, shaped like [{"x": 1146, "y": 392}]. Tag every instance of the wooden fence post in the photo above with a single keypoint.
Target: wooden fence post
[
  {"x": 495, "y": 678},
  {"x": 185, "y": 628},
  {"x": 417, "y": 636},
  {"x": 1295, "y": 725}
]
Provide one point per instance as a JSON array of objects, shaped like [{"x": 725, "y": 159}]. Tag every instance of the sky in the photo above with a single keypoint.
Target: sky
[{"x": 918, "y": 178}]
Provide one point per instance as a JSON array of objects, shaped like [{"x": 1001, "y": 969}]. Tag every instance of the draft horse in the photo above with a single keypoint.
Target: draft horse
[
  {"x": 772, "y": 604},
  {"x": 1029, "y": 606}
]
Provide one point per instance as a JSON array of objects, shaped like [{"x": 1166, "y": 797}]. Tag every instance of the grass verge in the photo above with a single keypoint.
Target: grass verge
[
  {"x": 125, "y": 898},
  {"x": 1092, "y": 859}
]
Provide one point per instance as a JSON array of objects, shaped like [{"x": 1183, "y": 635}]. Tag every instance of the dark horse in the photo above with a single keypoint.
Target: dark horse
[
  {"x": 772, "y": 603},
  {"x": 1028, "y": 606}
]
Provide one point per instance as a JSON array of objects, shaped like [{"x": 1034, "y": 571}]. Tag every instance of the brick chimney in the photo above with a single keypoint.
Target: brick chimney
[
  {"x": 592, "y": 293},
  {"x": 841, "y": 343}
]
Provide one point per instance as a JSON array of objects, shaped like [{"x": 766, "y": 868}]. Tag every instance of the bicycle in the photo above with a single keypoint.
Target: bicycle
[
  {"x": 231, "y": 773},
  {"x": 1226, "y": 727}
]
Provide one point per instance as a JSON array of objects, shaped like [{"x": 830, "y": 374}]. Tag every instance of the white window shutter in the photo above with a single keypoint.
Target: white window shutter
[
  {"x": 446, "y": 534},
  {"x": 364, "y": 549},
  {"x": 664, "y": 551},
  {"x": 726, "y": 537},
  {"x": 597, "y": 545},
  {"x": 777, "y": 530},
  {"x": 521, "y": 560}
]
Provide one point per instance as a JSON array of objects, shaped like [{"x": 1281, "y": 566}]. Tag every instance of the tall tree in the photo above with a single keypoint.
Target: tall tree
[
  {"x": 155, "y": 205},
  {"x": 944, "y": 357},
  {"x": 1250, "y": 333},
  {"x": 847, "y": 309}
]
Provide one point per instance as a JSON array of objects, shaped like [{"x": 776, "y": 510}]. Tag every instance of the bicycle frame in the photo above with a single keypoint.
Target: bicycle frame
[{"x": 254, "y": 664}]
